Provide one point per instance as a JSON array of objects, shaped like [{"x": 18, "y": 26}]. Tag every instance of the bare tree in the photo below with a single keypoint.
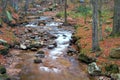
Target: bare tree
[
  {"x": 100, "y": 19},
  {"x": 65, "y": 14},
  {"x": 116, "y": 21},
  {"x": 95, "y": 42}
]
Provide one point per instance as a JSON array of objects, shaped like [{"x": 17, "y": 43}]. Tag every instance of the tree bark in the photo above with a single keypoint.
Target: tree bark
[
  {"x": 65, "y": 14},
  {"x": 100, "y": 20},
  {"x": 95, "y": 43},
  {"x": 116, "y": 20}
]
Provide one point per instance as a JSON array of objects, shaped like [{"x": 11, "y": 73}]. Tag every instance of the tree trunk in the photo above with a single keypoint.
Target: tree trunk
[
  {"x": 95, "y": 43},
  {"x": 100, "y": 20},
  {"x": 65, "y": 14},
  {"x": 26, "y": 6},
  {"x": 116, "y": 20}
]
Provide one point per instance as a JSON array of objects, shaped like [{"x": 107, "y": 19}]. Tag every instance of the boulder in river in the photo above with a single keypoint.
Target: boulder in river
[
  {"x": 37, "y": 60},
  {"x": 40, "y": 54},
  {"x": 51, "y": 46},
  {"x": 33, "y": 49},
  {"x": 35, "y": 44},
  {"x": 22, "y": 46},
  {"x": 74, "y": 39},
  {"x": 115, "y": 53},
  {"x": 93, "y": 69},
  {"x": 71, "y": 51},
  {"x": 84, "y": 58}
]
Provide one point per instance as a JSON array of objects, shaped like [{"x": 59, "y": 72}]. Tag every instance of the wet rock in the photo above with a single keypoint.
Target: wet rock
[
  {"x": 2, "y": 70},
  {"x": 22, "y": 46},
  {"x": 33, "y": 49},
  {"x": 32, "y": 37},
  {"x": 35, "y": 44},
  {"x": 84, "y": 58},
  {"x": 52, "y": 36},
  {"x": 112, "y": 68},
  {"x": 29, "y": 30},
  {"x": 74, "y": 39},
  {"x": 51, "y": 46},
  {"x": 37, "y": 60},
  {"x": 40, "y": 54},
  {"x": 115, "y": 53},
  {"x": 27, "y": 41},
  {"x": 42, "y": 23},
  {"x": 71, "y": 51},
  {"x": 93, "y": 69}
]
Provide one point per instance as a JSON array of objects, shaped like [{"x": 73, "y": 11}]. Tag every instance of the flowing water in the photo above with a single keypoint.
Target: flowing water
[{"x": 57, "y": 65}]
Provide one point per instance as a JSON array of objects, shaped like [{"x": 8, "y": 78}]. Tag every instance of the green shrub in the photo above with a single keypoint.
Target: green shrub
[
  {"x": 60, "y": 14},
  {"x": 84, "y": 10},
  {"x": 112, "y": 68}
]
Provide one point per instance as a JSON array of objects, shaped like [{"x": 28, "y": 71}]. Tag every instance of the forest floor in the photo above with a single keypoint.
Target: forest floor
[{"x": 84, "y": 32}]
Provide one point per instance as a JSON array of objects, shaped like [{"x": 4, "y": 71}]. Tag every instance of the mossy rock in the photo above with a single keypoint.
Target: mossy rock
[
  {"x": 112, "y": 68},
  {"x": 115, "y": 53},
  {"x": 84, "y": 58},
  {"x": 2, "y": 70}
]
